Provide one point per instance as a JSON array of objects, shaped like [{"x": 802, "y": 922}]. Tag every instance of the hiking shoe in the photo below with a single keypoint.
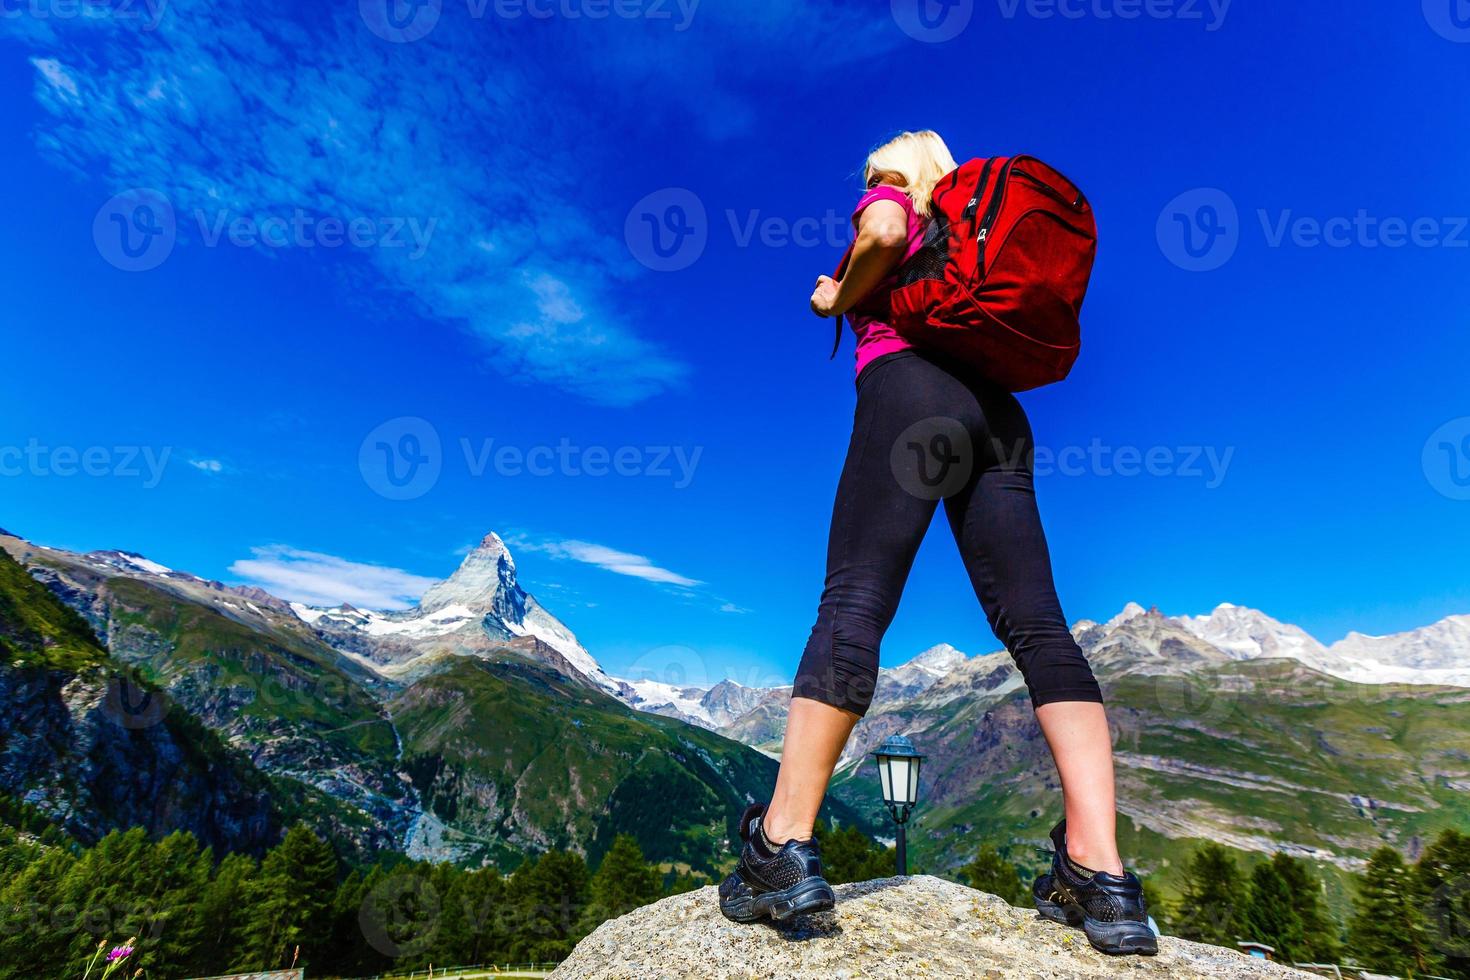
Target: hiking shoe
[
  {"x": 1108, "y": 908},
  {"x": 786, "y": 883}
]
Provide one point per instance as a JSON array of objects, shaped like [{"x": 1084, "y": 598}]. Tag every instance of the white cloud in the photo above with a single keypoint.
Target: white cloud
[
  {"x": 608, "y": 559},
  {"x": 218, "y": 111},
  {"x": 208, "y": 465},
  {"x": 58, "y": 78},
  {"x": 326, "y": 580},
  {"x": 482, "y": 131}
]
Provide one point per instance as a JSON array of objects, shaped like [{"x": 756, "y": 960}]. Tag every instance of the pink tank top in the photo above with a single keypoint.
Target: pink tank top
[{"x": 874, "y": 337}]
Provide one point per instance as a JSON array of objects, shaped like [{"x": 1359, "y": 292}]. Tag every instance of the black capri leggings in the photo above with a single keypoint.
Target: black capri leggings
[{"x": 924, "y": 433}]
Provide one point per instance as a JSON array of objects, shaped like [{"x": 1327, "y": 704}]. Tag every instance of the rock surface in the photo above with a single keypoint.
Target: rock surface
[{"x": 896, "y": 927}]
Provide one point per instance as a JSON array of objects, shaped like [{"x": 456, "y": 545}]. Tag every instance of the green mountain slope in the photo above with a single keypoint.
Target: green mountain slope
[
  {"x": 1259, "y": 755},
  {"x": 486, "y": 750},
  {"x": 512, "y": 754},
  {"x": 86, "y": 742},
  {"x": 36, "y": 630},
  {"x": 303, "y": 712}
]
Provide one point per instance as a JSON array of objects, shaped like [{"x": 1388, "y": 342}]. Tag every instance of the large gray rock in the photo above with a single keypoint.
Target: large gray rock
[{"x": 896, "y": 927}]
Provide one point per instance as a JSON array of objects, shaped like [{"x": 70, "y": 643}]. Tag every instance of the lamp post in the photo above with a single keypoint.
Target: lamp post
[{"x": 898, "y": 771}]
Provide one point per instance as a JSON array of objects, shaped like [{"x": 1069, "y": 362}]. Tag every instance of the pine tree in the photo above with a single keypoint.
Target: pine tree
[
  {"x": 179, "y": 872},
  {"x": 1442, "y": 877},
  {"x": 990, "y": 872},
  {"x": 849, "y": 855},
  {"x": 624, "y": 881},
  {"x": 221, "y": 910},
  {"x": 36, "y": 927},
  {"x": 1320, "y": 932},
  {"x": 475, "y": 923},
  {"x": 1389, "y": 933},
  {"x": 1209, "y": 911},
  {"x": 549, "y": 895},
  {"x": 290, "y": 904},
  {"x": 1270, "y": 914}
]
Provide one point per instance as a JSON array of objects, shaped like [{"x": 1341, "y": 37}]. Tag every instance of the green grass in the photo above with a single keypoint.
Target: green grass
[{"x": 37, "y": 630}]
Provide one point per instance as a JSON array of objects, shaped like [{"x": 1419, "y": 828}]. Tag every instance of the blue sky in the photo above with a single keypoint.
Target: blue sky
[{"x": 434, "y": 234}]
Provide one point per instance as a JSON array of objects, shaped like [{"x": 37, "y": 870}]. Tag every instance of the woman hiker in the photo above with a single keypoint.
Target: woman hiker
[{"x": 885, "y": 501}]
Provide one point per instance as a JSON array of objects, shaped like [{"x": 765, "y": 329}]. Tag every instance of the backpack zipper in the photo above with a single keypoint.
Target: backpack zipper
[{"x": 974, "y": 205}]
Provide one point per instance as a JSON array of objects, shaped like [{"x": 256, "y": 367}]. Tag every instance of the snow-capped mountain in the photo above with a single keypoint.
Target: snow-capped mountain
[
  {"x": 1442, "y": 646},
  {"x": 1136, "y": 641},
  {"x": 481, "y": 603},
  {"x": 1435, "y": 654},
  {"x": 919, "y": 674},
  {"x": 1247, "y": 634}
]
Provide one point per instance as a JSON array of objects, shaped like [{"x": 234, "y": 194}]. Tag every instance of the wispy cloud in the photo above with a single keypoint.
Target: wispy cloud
[
  {"x": 484, "y": 131},
  {"x": 222, "y": 111},
  {"x": 327, "y": 580},
  {"x": 208, "y": 465},
  {"x": 608, "y": 559}
]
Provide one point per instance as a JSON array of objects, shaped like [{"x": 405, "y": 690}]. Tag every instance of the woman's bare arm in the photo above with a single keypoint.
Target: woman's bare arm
[{"x": 882, "y": 240}]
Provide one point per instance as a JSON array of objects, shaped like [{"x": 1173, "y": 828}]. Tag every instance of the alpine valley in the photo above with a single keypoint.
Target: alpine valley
[{"x": 475, "y": 728}]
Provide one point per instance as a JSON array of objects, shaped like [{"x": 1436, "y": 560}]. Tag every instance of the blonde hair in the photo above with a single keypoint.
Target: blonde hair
[{"x": 920, "y": 158}]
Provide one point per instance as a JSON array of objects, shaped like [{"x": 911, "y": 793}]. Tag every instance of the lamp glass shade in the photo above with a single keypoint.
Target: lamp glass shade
[
  {"x": 899, "y": 768},
  {"x": 898, "y": 771}
]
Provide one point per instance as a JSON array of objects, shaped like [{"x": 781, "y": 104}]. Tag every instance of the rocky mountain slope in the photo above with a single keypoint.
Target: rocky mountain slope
[
  {"x": 475, "y": 725},
  {"x": 895, "y": 927},
  {"x": 90, "y": 745},
  {"x": 1231, "y": 727},
  {"x": 472, "y": 727}
]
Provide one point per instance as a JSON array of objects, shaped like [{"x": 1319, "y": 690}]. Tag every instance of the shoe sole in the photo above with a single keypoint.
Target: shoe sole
[
  {"x": 1113, "y": 938},
  {"x": 803, "y": 898}
]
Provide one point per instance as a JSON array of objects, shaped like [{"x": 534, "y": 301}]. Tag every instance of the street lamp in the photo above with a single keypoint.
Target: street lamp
[{"x": 898, "y": 771}]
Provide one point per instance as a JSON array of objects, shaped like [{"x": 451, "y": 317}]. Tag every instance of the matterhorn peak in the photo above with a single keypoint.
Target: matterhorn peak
[
  {"x": 484, "y": 582},
  {"x": 493, "y": 542}
]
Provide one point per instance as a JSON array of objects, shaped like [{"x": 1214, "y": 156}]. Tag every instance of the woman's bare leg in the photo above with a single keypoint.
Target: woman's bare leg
[
  {"x": 1082, "y": 745},
  {"x": 815, "y": 735}
]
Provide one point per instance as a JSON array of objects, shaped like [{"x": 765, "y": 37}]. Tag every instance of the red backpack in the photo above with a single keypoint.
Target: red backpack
[{"x": 999, "y": 280}]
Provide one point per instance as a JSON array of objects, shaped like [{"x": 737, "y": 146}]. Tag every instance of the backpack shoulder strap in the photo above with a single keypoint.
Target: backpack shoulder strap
[{"x": 837, "y": 333}]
